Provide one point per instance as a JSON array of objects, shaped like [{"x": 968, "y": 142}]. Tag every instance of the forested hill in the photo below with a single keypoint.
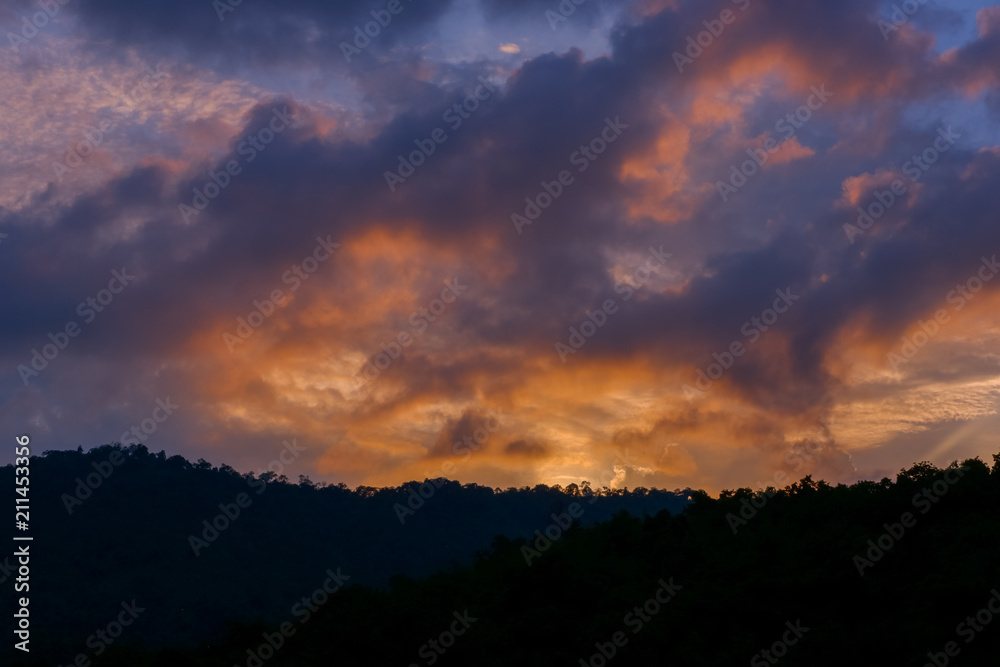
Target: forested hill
[
  {"x": 118, "y": 523},
  {"x": 893, "y": 572}
]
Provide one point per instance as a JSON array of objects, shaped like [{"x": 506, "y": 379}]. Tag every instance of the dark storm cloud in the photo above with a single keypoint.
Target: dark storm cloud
[
  {"x": 521, "y": 136},
  {"x": 584, "y": 11},
  {"x": 271, "y": 33},
  {"x": 782, "y": 231},
  {"x": 257, "y": 34},
  {"x": 525, "y": 449}
]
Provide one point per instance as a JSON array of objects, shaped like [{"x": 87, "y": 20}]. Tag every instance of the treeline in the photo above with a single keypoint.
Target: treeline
[
  {"x": 894, "y": 572},
  {"x": 201, "y": 547}
]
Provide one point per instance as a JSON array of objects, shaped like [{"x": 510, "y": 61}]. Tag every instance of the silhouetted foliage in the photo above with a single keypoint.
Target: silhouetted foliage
[{"x": 791, "y": 557}]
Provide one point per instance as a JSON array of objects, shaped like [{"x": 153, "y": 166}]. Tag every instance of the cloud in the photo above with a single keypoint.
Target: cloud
[{"x": 494, "y": 346}]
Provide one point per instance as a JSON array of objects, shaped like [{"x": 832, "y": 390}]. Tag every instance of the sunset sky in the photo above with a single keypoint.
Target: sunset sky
[{"x": 622, "y": 255}]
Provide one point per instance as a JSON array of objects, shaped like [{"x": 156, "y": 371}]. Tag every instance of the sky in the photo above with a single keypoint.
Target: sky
[{"x": 655, "y": 243}]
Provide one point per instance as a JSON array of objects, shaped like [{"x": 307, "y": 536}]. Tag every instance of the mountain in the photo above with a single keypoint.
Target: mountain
[
  {"x": 201, "y": 547},
  {"x": 893, "y": 572}
]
